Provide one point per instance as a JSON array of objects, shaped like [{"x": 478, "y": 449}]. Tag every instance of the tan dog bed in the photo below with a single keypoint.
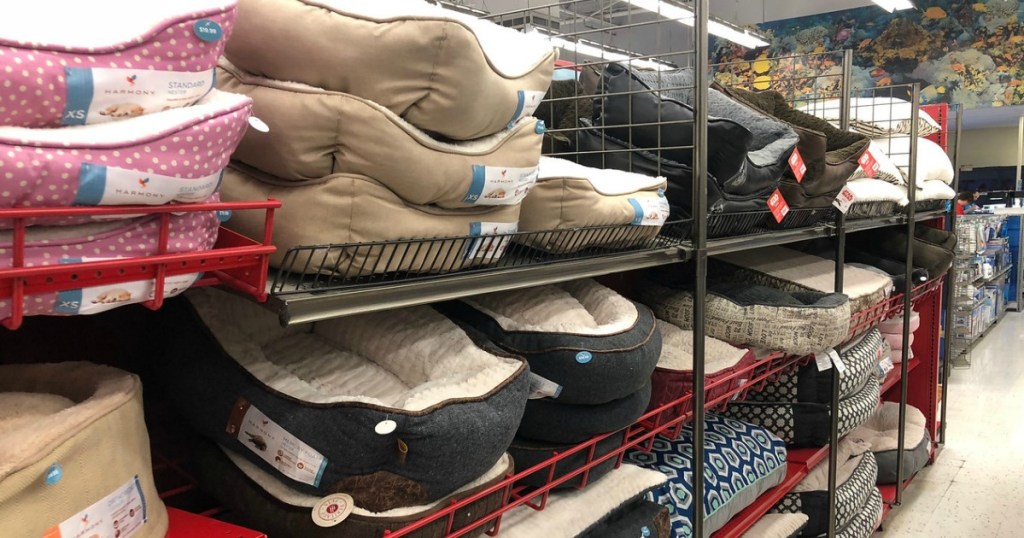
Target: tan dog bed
[
  {"x": 59, "y": 423},
  {"x": 348, "y": 208},
  {"x": 315, "y": 133},
  {"x": 443, "y": 71}
]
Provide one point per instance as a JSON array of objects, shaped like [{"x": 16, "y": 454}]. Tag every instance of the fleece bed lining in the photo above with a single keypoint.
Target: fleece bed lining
[
  {"x": 677, "y": 351},
  {"x": 881, "y": 431},
  {"x": 604, "y": 181}
]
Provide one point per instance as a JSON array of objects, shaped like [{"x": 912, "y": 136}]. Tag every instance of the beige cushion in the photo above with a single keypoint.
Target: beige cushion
[
  {"x": 348, "y": 208},
  {"x": 315, "y": 133},
  {"x": 445, "y": 72}
]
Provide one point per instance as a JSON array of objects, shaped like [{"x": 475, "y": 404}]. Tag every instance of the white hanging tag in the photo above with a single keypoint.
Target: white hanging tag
[
  {"x": 837, "y": 361},
  {"x": 823, "y": 360},
  {"x": 543, "y": 388}
]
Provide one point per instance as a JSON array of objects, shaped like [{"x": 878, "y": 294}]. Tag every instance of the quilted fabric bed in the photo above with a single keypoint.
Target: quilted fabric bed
[
  {"x": 592, "y": 342},
  {"x": 348, "y": 208},
  {"x": 315, "y": 133},
  {"x": 791, "y": 270},
  {"x": 263, "y": 501},
  {"x": 744, "y": 461},
  {"x": 460, "y": 76},
  {"x": 552, "y": 421},
  {"x": 777, "y": 526},
  {"x": 757, "y": 316},
  {"x": 394, "y": 422},
  {"x": 175, "y": 156},
  {"x": 93, "y": 65},
  {"x": 528, "y": 452},
  {"x": 569, "y": 196},
  {"x": 881, "y": 433},
  {"x": 44, "y": 245},
  {"x": 56, "y": 464}
]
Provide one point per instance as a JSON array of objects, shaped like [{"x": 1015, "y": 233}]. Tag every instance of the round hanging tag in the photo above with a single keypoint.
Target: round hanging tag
[
  {"x": 208, "y": 30},
  {"x": 385, "y": 427},
  {"x": 258, "y": 124},
  {"x": 332, "y": 509},
  {"x": 584, "y": 357}
]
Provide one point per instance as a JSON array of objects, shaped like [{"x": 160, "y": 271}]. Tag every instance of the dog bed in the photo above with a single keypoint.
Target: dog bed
[
  {"x": 175, "y": 156},
  {"x": 56, "y": 463},
  {"x": 44, "y": 245},
  {"x": 263, "y": 501},
  {"x": 673, "y": 376},
  {"x": 742, "y": 462},
  {"x": 791, "y": 270},
  {"x": 881, "y": 433},
  {"x": 875, "y": 198},
  {"x": 595, "y": 344},
  {"x": 756, "y": 316},
  {"x": 855, "y": 485},
  {"x": 528, "y": 453},
  {"x": 552, "y": 421},
  {"x": 590, "y": 512},
  {"x": 348, "y": 208},
  {"x": 895, "y": 269},
  {"x": 642, "y": 518},
  {"x": 875, "y": 116},
  {"x": 92, "y": 65},
  {"x": 569, "y": 196},
  {"x": 393, "y": 422},
  {"x": 777, "y": 526},
  {"x": 867, "y": 521},
  {"x": 934, "y": 250},
  {"x": 933, "y": 164},
  {"x": 887, "y": 169},
  {"x": 933, "y": 194},
  {"x": 315, "y": 133},
  {"x": 459, "y": 76}
]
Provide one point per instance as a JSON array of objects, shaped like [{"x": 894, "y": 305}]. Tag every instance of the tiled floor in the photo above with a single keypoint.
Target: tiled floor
[{"x": 976, "y": 488}]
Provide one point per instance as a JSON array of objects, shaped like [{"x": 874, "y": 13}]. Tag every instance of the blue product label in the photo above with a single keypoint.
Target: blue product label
[
  {"x": 54, "y": 474},
  {"x": 79, "y": 98},
  {"x": 224, "y": 215},
  {"x": 638, "y": 212},
  {"x": 208, "y": 30},
  {"x": 583, "y": 357}
]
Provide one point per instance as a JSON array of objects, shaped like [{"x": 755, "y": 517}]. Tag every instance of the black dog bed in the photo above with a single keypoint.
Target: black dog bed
[
  {"x": 552, "y": 421},
  {"x": 528, "y": 453}
]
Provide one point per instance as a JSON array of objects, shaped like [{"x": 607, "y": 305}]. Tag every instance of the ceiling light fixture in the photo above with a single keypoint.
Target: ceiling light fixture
[
  {"x": 894, "y": 5},
  {"x": 684, "y": 15},
  {"x": 602, "y": 52}
]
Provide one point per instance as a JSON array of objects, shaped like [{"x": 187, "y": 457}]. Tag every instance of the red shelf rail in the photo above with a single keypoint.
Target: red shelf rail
[{"x": 235, "y": 261}]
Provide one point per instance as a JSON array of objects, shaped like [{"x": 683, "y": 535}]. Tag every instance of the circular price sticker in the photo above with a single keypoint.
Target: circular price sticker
[
  {"x": 332, "y": 509},
  {"x": 207, "y": 30}
]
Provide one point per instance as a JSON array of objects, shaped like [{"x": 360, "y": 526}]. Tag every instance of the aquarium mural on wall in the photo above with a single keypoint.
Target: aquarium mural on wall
[{"x": 960, "y": 52}]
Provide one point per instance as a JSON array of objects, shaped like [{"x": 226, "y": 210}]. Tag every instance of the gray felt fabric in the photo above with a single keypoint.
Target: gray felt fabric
[
  {"x": 527, "y": 453},
  {"x": 548, "y": 420},
  {"x": 915, "y": 458}
]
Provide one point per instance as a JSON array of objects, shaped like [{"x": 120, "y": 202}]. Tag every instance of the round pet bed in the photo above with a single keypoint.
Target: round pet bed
[
  {"x": 881, "y": 433},
  {"x": 594, "y": 343},
  {"x": 645, "y": 519},
  {"x": 56, "y": 463},
  {"x": 527, "y": 453},
  {"x": 556, "y": 422},
  {"x": 346, "y": 208},
  {"x": 866, "y": 522},
  {"x": 459, "y": 76},
  {"x": 315, "y": 133},
  {"x": 895, "y": 269},
  {"x": 77, "y": 63},
  {"x": 777, "y": 526},
  {"x": 396, "y": 408}
]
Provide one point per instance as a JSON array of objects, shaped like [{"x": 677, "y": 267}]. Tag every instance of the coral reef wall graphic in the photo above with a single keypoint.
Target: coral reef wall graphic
[{"x": 960, "y": 52}]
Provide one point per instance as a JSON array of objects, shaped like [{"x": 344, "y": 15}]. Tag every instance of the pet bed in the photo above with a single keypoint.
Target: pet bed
[
  {"x": 777, "y": 526},
  {"x": 760, "y": 317},
  {"x": 895, "y": 269},
  {"x": 867, "y": 521},
  {"x": 933, "y": 194},
  {"x": 396, "y": 408},
  {"x": 315, "y": 133},
  {"x": 595, "y": 344},
  {"x": 875, "y": 198},
  {"x": 933, "y": 164},
  {"x": 569, "y": 196},
  {"x": 887, "y": 169},
  {"x": 586, "y": 512},
  {"x": 265, "y": 502},
  {"x": 881, "y": 433},
  {"x": 59, "y": 422},
  {"x": 190, "y": 232},
  {"x": 552, "y": 421},
  {"x": 92, "y": 64},
  {"x": 875, "y": 116},
  {"x": 855, "y": 480},
  {"x": 348, "y": 208},
  {"x": 175, "y": 156},
  {"x": 460, "y": 76},
  {"x": 743, "y": 461},
  {"x": 645, "y": 519},
  {"x": 787, "y": 269},
  {"x": 934, "y": 250},
  {"x": 673, "y": 376},
  {"x": 528, "y": 453}
]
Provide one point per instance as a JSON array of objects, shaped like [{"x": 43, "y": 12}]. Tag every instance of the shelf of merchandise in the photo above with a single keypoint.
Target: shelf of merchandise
[
  {"x": 984, "y": 281},
  {"x": 892, "y": 380}
]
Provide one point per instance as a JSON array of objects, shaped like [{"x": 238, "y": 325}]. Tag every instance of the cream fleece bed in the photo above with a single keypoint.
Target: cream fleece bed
[
  {"x": 881, "y": 433},
  {"x": 875, "y": 198},
  {"x": 59, "y": 422},
  {"x": 315, "y": 133},
  {"x": 383, "y": 416},
  {"x": 444, "y": 72},
  {"x": 569, "y": 196},
  {"x": 777, "y": 526},
  {"x": 347, "y": 209}
]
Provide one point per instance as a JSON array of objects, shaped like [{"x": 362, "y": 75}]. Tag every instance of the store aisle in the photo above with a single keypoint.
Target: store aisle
[{"x": 974, "y": 489}]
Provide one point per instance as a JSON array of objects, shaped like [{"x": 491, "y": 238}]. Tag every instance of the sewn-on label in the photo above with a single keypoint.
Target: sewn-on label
[
  {"x": 541, "y": 387},
  {"x": 101, "y": 94},
  {"x": 823, "y": 360},
  {"x": 109, "y": 185},
  {"x": 275, "y": 445},
  {"x": 526, "y": 105},
  {"x": 489, "y": 248},
  {"x": 496, "y": 185},
  {"x": 118, "y": 515},
  {"x": 110, "y": 296},
  {"x": 649, "y": 211}
]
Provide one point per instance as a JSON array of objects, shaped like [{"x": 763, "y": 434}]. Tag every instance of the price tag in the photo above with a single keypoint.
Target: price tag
[
  {"x": 837, "y": 361},
  {"x": 778, "y": 206},
  {"x": 869, "y": 164},
  {"x": 844, "y": 200},
  {"x": 884, "y": 367},
  {"x": 543, "y": 388},
  {"x": 796, "y": 163},
  {"x": 823, "y": 360}
]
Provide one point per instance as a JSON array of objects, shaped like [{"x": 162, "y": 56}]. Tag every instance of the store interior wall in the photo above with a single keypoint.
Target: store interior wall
[{"x": 983, "y": 148}]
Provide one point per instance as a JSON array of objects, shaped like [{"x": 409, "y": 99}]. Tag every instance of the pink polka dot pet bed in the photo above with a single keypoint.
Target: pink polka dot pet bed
[
  {"x": 175, "y": 156},
  {"x": 93, "y": 64},
  {"x": 45, "y": 245}
]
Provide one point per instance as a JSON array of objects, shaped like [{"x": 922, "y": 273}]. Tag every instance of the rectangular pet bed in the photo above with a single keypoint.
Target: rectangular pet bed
[{"x": 875, "y": 116}]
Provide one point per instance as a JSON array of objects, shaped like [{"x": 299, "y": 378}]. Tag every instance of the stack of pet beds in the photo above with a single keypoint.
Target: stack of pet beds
[
  {"x": 777, "y": 526},
  {"x": 796, "y": 407},
  {"x": 881, "y": 433},
  {"x": 591, "y": 354},
  {"x": 892, "y": 331},
  {"x": 113, "y": 112},
  {"x": 394, "y": 425},
  {"x": 361, "y": 148},
  {"x": 57, "y": 470},
  {"x": 858, "y": 501},
  {"x": 934, "y": 250},
  {"x": 742, "y": 462},
  {"x": 894, "y": 269}
]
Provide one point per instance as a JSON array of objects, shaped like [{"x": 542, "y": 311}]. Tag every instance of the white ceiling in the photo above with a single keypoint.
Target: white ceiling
[
  {"x": 757, "y": 11},
  {"x": 991, "y": 118}
]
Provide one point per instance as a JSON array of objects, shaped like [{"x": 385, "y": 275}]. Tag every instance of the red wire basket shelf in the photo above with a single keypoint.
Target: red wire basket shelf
[
  {"x": 235, "y": 261},
  {"x": 891, "y": 307}
]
